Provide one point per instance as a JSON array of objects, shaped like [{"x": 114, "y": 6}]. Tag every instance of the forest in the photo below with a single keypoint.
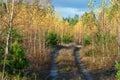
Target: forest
[{"x": 37, "y": 44}]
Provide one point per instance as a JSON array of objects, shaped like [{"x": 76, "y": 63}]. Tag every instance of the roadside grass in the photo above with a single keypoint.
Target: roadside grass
[{"x": 94, "y": 59}]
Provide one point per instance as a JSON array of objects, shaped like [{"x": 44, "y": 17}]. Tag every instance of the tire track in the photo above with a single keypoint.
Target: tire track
[
  {"x": 80, "y": 65},
  {"x": 53, "y": 75}
]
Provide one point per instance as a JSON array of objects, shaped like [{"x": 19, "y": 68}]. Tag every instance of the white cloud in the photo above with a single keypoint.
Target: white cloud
[{"x": 69, "y": 11}]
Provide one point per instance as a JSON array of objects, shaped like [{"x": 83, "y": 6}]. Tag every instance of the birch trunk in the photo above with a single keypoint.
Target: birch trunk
[{"x": 8, "y": 35}]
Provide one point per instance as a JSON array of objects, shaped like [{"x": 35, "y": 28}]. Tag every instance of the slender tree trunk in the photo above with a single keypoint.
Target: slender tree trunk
[
  {"x": 118, "y": 39},
  {"x": 8, "y": 36},
  {"x": 103, "y": 45},
  {"x": 118, "y": 30}
]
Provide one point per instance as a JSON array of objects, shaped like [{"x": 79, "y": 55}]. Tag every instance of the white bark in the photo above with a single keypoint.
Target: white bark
[
  {"x": 10, "y": 26},
  {"x": 8, "y": 35}
]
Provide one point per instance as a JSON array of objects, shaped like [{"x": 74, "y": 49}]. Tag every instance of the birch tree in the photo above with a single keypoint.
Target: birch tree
[{"x": 10, "y": 19}]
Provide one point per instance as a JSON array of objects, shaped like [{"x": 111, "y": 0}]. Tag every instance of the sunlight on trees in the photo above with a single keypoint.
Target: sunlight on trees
[{"x": 36, "y": 28}]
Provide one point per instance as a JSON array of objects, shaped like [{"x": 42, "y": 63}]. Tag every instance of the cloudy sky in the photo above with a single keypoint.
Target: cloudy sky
[{"x": 71, "y": 7}]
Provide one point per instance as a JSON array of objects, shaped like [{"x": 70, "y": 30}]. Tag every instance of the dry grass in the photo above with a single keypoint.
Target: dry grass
[
  {"x": 66, "y": 61},
  {"x": 98, "y": 61},
  {"x": 101, "y": 65},
  {"x": 65, "y": 55}
]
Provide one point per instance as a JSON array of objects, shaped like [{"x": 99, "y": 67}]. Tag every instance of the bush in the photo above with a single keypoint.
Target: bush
[
  {"x": 87, "y": 40},
  {"x": 117, "y": 65},
  {"x": 52, "y": 38},
  {"x": 16, "y": 60},
  {"x": 66, "y": 38}
]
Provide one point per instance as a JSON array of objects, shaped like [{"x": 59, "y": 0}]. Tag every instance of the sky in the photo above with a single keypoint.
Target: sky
[{"x": 69, "y": 8}]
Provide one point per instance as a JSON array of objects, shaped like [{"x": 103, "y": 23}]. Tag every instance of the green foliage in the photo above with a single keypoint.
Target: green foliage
[
  {"x": 102, "y": 37},
  {"x": 72, "y": 21},
  {"x": 52, "y": 38},
  {"x": 89, "y": 19},
  {"x": 87, "y": 40},
  {"x": 13, "y": 77},
  {"x": 66, "y": 38},
  {"x": 15, "y": 33},
  {"x": 1, "y": 50},
  {"x": 1, "y": 54},
  {"x": 16, "y": 60},
  {"x": 117, "y": 65}
]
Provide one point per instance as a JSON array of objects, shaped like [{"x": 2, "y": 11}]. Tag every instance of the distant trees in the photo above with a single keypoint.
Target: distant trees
[
  {"x": 87, "y": 25},
  {"x": 89, "y": 19},
  {"x": 72, "y": 21}
]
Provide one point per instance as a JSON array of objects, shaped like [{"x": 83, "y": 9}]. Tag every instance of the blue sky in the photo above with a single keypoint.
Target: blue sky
[{"x": 71, "y": 7}]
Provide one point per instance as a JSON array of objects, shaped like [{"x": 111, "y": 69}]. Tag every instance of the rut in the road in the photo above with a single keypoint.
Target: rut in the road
[
  {"x": 81, "y": 68},
  {"x": 54, "y": 68}
]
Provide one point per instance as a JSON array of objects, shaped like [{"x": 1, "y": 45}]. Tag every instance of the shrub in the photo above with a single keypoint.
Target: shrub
[
  {"x": 66, "y": 38},
  {"x": 16, "y": 60},
  {"x": 87, "y": 40},
  {"x": 52, "y": 38}
]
